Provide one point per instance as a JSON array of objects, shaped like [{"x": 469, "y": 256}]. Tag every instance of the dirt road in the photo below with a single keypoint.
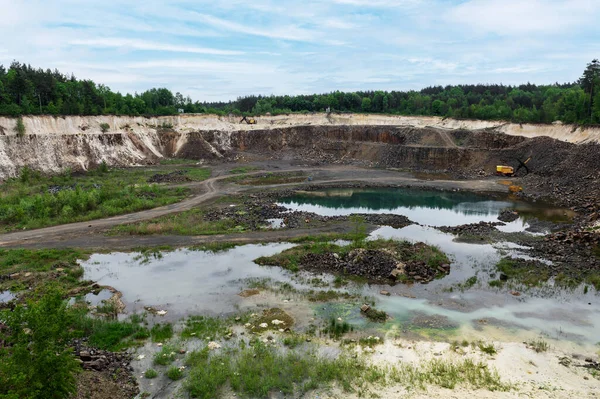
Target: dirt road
[{"x": 81, "y": 234}]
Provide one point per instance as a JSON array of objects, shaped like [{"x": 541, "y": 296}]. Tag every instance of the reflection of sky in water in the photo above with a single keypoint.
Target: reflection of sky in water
[
  {"x": 464, "y": 213},
  {"x": 562, "y": 315},
  {"x": 6, "y": 296},
  {"x": 421, "y": 206},
  {"x": 183, "y": 280}
]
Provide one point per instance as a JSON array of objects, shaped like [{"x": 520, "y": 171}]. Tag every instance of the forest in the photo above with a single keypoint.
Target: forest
[{"x": 25, "y": 90}]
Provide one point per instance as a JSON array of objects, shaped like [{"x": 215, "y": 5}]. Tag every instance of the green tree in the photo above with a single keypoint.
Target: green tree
[{"x": 366, "y": 104}]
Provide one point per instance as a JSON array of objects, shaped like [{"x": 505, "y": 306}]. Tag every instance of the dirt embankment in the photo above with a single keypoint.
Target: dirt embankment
[
  {"x": 464, "y": 148},
  {"x": 52, "y": 144}
]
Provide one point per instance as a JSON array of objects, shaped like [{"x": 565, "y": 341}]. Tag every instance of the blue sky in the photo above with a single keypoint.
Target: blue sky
[{"x": 218, "y": 50}]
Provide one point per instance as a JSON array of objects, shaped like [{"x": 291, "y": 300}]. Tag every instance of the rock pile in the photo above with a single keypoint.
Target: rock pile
[
  {"x": 100, "y": 360},
  {"x": 375, "y": 265},
  {"x": 508, "y": 216},
  {"x": 472, "y": 229},
  {"x": 177, "y": 176},
  {"x": 575, "y": 237}
]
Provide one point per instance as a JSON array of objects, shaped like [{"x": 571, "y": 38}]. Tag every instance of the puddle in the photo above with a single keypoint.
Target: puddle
[
  {"x": 432, "y": 208},
  {"x": 94, "y": 299},
  {"x": 191, "y": 282},
  {"x": 275, "y": 223},
  {"x": 557, "y": 313},
  {"x": 184, "y": 281},
  {"x": 6, "y": 296}
]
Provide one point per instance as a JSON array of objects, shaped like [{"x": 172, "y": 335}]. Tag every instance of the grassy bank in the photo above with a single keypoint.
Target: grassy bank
[
  {"x": 27, "y": 269},
  {"x": 292, "y": 259},
  {"x": 190, "y": 222},
  {"x": 534, "y": 273},
  {"x": 33, "y": 200}
]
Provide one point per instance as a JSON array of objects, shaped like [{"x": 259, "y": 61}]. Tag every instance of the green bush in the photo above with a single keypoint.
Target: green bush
[
  {"x": 38, "y": 363},
  {"x": 151, "y": 373},
  {"x": 20, "y": 127},
  {"x": 175, "y": 373},
  {"x": 104, "y": 127}
]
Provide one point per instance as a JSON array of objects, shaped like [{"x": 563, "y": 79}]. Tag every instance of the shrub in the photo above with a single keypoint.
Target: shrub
[
  {"x": 20, "y": 127},
  {"x": 104, "y": 127},
  {"x": 175, "y": 373},
  {"x": 37, "y": 363},
  {"x": 151, "y": 373}
]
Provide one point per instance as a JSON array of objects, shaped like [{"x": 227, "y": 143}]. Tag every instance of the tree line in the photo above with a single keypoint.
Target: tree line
[{"x": 26, "y": 90}]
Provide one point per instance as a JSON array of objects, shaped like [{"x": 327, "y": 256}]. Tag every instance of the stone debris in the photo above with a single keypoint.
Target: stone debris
[{"x": 212, "y": 345}]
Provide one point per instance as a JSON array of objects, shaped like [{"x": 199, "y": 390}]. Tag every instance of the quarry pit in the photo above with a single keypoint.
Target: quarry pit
[{"x": 296, "y": 216}]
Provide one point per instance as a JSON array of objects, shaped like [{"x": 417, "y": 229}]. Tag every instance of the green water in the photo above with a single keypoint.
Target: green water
[{"x": 428, "y": 207}]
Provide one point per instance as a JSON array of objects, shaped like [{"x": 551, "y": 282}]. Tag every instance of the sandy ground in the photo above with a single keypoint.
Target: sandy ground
[
  {"x": 44, "y": 125},
  {"x": 533, "y": 375}
]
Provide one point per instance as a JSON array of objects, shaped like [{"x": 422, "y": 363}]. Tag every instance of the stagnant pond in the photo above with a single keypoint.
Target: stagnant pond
[
  {"x": 195, "y": 282},
  {"x": 427, "y": 207}
]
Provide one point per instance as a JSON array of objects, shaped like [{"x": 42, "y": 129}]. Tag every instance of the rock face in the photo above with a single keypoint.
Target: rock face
[{"x": 559, "y": 168}]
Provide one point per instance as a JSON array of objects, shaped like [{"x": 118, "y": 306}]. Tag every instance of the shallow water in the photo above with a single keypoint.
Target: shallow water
[
  {"x": 183, "y": 281},
  {"x": 547, "y": 310},
  {"x": 433, "y": 208},
  {"x": 193, "y": 282},
  {"x": 6, "y": 296},
  {"x": 95, "y": 299}
]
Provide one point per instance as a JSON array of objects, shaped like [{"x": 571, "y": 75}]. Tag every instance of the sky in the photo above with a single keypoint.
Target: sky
[{"x": 219, "y": 50}]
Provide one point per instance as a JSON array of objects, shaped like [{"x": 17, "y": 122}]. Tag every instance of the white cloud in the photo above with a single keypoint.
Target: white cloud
[
  {"x": 291, "y": 32},
  {"x": 518, "y": 17},
  {"x": 150, "y": 46}
]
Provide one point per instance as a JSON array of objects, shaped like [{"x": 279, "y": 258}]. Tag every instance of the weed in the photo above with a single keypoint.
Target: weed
[
  {"x": 214, "y": 247},
  {"x": 204, "y": 327},
  {"x": 190, "y": 222},
  {"x": 495, "y": 283},
  {"x": 539, "y": 345},
  {"x": 488, "y": 349},
  {"x": 151, "y": 373},
  {"x": 378, "y": 316},
  {"x": 107, "y": 309},
  {"x": 469, "y": 283},
  {"x": 336, "y": 328},
  {"x": 327, "y": 296},
  {"x": 293, "y": 340},
  {"x": 165, "y": 356},
  {"x": 161, "y": 332},
  {"x": 448, "y": 375},
  {"x": 370, "y": 341},
  {"x": 174, "y": 373},
  {"x": 104, "y": 127},
  {"x": 339, "y": 281},
  {"x": 109, "y": 335}
]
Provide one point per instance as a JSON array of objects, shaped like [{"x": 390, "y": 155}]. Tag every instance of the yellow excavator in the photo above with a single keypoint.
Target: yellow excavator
[
  {"x": 250, "y": 121},
  {"x": 509, "y": 171}
]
